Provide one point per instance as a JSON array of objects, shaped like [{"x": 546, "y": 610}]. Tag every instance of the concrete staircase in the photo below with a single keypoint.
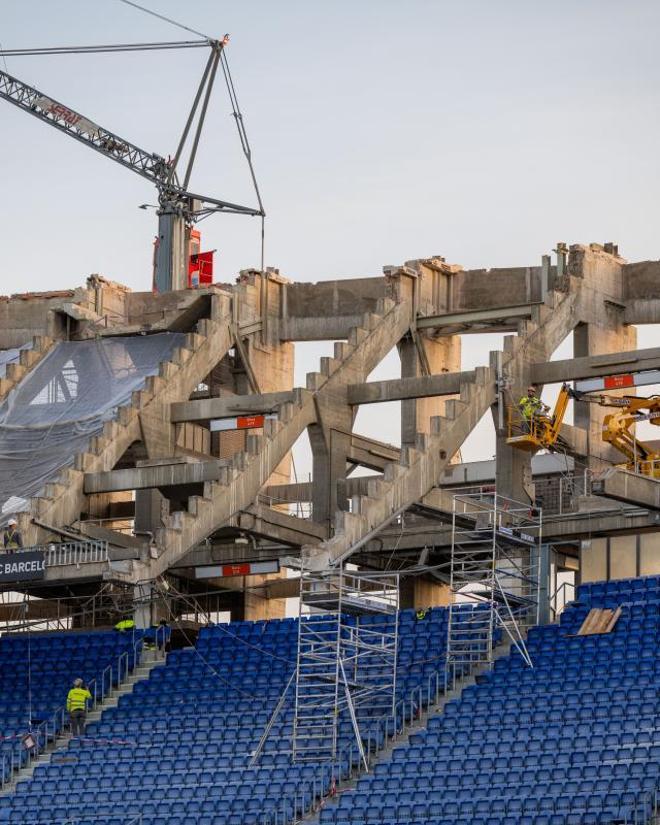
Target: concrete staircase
[
  {"x": 63, "y": 499},
  {"x": 420, "y": 467},
  {"x": 27, "y": 359},
  {"x": 60, "y": 745},
  {"x": 250, "y": 470}
]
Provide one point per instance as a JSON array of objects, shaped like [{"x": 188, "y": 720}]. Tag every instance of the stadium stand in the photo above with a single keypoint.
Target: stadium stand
[
  {"x": 573, "y": 741},
  {"x": 176, "y": 750},
  {"x": 36, "y": 672}
]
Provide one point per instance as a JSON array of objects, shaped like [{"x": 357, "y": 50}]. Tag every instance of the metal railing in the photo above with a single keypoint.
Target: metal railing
[
  {"x": 561, "y": 598},
  {"x": 71, "y": 552},
  {"x": 47, "y": 732}
]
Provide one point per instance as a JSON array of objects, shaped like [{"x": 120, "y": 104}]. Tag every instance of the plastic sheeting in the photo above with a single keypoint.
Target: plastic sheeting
[
  {"x": 64, "y": 401},
  {"x": 10, "y": 356}
]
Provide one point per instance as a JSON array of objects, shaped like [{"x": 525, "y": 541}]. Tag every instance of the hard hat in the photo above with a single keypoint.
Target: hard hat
[
  {"x": 77, "y": 682},
  {"x": 12, "y": 522}
]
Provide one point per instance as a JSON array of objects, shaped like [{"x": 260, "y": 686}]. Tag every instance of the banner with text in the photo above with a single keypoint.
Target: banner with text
[{"x": 26, "y": 566}]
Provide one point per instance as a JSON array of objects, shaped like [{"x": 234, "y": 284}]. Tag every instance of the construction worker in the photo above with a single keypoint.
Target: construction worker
[
  {"x": 12, "y": 539},
  {"x": 76, "y": 705},
  {"x": 420, "y": 614},
  {"x": 530, "y": 405}
]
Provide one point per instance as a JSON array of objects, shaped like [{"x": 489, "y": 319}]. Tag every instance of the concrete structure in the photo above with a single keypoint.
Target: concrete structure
[{"x": 190, "y": 495}]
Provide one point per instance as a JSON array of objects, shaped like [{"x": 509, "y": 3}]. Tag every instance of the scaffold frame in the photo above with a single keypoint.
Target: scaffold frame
[{"x": 495, "y": 569}]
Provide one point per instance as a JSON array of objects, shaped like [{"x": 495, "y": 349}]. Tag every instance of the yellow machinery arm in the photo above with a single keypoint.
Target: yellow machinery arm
[
  {"x": 543, "y": 431},
  {"x": 642, "y": 458}
]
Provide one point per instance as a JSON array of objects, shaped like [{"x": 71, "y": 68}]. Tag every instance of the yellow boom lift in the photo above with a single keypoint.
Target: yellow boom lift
[{"x": 543, "y": 430}]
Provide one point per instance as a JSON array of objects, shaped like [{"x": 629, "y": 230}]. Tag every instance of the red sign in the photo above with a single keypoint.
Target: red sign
[
  {"x": 235, "y": 569},
  {"x": 615, "y": 382},
  {"x": 248, "y": 422},
  {"x": 200, "y": 269}
]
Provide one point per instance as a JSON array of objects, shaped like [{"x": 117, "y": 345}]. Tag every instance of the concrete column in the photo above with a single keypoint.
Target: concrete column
[
  {"x": 541, "y": 561},
  {"x": 598, "y": 339},
  {"x": 149, "y": 508},
  {"x": 273, "y": 367},
  {"x": 248, "y": 604},
  {"x": 330, "y": 448},
  {"x": 513, "y": 473},
  {"x": 443, "y": 355},
  {"x": 420, "y": 593}
]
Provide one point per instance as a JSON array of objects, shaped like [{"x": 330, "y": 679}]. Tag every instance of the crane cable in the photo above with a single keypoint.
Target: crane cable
[{"x": 166, "y": 19}]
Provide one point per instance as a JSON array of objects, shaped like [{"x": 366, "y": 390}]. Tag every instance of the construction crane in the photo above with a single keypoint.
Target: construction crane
[
  {"x": 543, "y": 431},
  {"x": 178, "y": 208}
]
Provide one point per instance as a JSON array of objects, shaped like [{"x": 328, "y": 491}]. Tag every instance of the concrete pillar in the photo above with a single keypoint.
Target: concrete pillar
[
  {"x": 249, "y": 604},
  {"x": 513, "y": 469},
  {"x": 541, "y": 562},
  {"x": 150, "y": 507},
  {"x": 420, "y": 593},
  {"x": 443, "y": 355},
  {"x": 598, "y": 339},
  {"x": 273, "y": 367},
  {"x": 330, "y": 447}
]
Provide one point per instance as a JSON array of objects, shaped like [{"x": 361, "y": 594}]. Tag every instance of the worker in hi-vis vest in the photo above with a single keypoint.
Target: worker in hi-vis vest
[
  {"x": 11, "y": 538},
  {"x": 531, "y": 405},
  {"x": 76, "y": 705}
]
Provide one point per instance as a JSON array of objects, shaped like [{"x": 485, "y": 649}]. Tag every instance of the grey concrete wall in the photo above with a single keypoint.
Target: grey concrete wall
[
  {"x": 641, "y": 280},
  {"x": 486, "y": 288}
]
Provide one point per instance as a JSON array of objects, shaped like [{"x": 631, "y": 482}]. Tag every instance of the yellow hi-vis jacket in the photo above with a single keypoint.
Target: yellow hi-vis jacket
[
  {"x": 529, "y": 406},
  {"x": 125, "y": 624},
  {"x": 77, "y": 699}
]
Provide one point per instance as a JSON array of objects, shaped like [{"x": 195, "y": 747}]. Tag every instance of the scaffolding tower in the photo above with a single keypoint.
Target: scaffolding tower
[
  {"x": 494, "y": 578},
  {"x": 347, "y": 658}
]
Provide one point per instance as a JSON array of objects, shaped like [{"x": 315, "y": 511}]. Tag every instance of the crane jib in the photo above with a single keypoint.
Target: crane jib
[{"x": 59, "y": 110}]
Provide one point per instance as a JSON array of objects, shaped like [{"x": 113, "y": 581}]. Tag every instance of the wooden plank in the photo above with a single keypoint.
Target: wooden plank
[
  {"x": 612, "y": 622},
  {"x": 598, "y": 621}
]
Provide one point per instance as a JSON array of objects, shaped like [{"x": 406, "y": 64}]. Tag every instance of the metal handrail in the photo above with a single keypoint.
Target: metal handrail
[
  {"x": 92, "y": 551},
  {"x": 553, "y": 598}
]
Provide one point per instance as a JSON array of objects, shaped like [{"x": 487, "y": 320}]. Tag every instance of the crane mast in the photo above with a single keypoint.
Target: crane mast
[{"x": 178, "y": 208}]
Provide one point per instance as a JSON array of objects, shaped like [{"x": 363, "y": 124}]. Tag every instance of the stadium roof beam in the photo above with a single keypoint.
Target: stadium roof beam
[
  {"x": 498, "y": 319},
  {"x": 613, "y": 363},
  {"x": 551, "y": 372},
  {"x": 227, "y": 406}
]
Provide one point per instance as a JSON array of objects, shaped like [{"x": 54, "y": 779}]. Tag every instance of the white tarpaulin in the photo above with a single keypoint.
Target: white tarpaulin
[
  {"x": 10, "y": 356},
  {"x": 64, "y": 401}
]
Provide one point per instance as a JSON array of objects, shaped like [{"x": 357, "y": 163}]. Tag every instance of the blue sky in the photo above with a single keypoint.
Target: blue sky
[{"x": 479, "y": 130}]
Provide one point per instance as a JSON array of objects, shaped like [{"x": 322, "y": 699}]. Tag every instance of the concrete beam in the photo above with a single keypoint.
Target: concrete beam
[
  {"x": 614, "y": 363},
  {"x": 160, "y": 475},
  {"x": 280, "y": 527},
  {"x": 642, "y": 311},
  {"x": 400, "y": 389},
  {"x": 229, "y": 405},
  {"x": 296, "y": 493},
  {"x": 630, "y": 488},
  {"x": 499, "y": 319},
  {"x": 367, "y": 452}
]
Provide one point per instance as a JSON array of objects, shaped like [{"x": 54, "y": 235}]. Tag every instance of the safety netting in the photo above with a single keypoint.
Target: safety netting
[{"x": 64, "y": 401}]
